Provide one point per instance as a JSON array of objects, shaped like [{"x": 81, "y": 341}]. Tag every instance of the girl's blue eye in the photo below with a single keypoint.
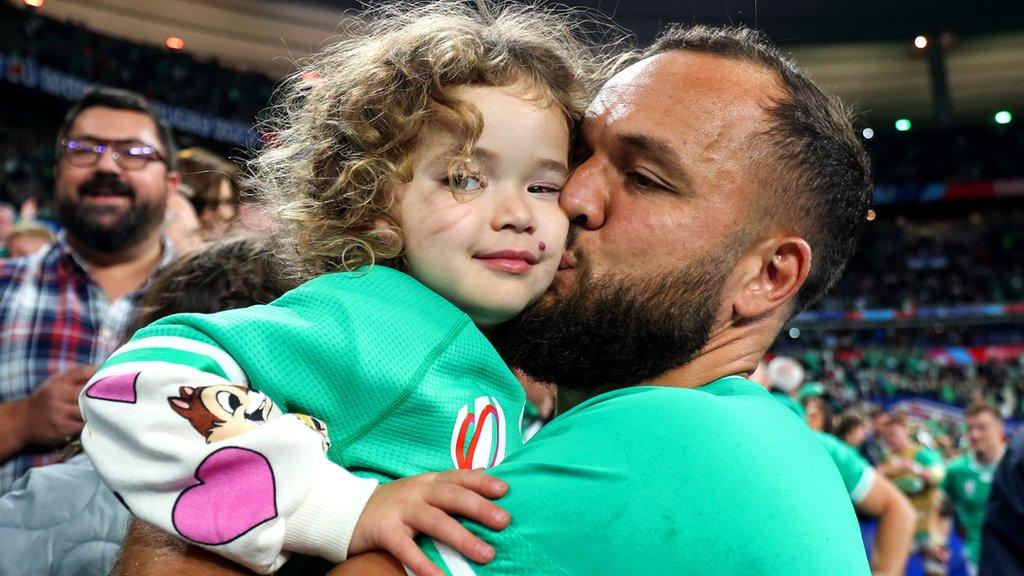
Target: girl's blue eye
[{"x": 466, "y": 182}]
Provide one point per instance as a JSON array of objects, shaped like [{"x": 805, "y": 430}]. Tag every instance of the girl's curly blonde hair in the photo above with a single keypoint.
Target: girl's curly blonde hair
[{"x": 349, "y": 119}]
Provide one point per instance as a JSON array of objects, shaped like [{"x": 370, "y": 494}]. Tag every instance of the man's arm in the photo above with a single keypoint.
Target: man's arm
[
  {"x": 12, "y": 422},
  {"x": 148, "y": 551},
  {"x": 896, "y": 518},
  {"x": 49, "y": 417}
]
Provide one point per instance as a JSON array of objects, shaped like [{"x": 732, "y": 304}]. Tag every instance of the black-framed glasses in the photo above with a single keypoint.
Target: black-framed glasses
[{"x": 86, "y": 152}]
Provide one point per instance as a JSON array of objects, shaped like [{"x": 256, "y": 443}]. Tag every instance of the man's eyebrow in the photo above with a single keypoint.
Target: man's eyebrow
[
  {"x": 660, "y": 152},
  {"x": 120, "y": 141}
]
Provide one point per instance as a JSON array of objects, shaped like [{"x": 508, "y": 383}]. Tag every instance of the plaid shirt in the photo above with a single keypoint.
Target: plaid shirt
[{"x": 53, "y": 316}]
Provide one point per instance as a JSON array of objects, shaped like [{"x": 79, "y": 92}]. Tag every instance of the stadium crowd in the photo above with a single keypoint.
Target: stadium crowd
[
  {"x": 909, "y": 263},
  {"x": 917, "y": 436}
]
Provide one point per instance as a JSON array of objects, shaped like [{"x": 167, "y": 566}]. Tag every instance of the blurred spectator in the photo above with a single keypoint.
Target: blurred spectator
[
  {"x": 27, "y": 238},
  {"x": 851, "y": 429},
  {"x": 817, "y": 413},
  {"x": 969, "y": 477},
  {"x": 7, "y": 217},
  {"x": 212, "y": 184},
  {"x": 65, "y": 309},
  {"x": 918, "y": 471},
  {"x": 77, "y": 523},
  {"x": 874, "y": 496},
  {"x": 1002, "y": 540},
  {"x": 873, "y": 449},
  {"x": 784, "y": 376},
  {"x": 881, "y": 364},
  {"x": 181, "y": 225}
]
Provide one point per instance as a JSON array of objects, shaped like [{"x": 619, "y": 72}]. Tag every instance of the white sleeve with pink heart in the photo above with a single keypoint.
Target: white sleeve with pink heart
[{"x": 216, "y": 463}]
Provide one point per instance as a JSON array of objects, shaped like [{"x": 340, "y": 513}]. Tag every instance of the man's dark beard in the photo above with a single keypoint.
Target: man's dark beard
[
  {"x": 616, "y": 331},
  {"x": 83, "y": 221}
]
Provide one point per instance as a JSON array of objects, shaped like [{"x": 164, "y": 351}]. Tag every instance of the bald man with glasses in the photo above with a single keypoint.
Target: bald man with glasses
[{"x": 64, "y": 309}]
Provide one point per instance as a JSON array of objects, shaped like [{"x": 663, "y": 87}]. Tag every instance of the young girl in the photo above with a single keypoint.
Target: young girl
[{"x": 417, "y": 170}]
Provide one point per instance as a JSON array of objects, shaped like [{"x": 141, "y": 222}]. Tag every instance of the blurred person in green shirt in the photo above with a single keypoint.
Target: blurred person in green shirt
[{"x": 969, "y": 477}]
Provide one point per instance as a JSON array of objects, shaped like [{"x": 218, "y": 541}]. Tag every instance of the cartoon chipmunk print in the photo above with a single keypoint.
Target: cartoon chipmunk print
[{"x": 221, "y": 412}]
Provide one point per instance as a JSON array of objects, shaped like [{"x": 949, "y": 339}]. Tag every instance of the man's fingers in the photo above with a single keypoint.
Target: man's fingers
[
  {"x": 444, "y": 528},
  {"x": 477, "y": 481},
  {"x": 459, "y": 501},
  {"x": 408, "y": 553},
  {"x": 74, "y": 420}
]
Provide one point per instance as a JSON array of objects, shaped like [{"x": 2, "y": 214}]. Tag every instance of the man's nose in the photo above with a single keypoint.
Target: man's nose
[
  {"x": 585, "y": 195},
  {"x": 106, "y": 162}
]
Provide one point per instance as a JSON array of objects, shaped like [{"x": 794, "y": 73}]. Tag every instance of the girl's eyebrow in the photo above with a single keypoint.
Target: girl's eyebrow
[
  {"x": 487, "y": 156},
  {"x": 554, "y": 165}
]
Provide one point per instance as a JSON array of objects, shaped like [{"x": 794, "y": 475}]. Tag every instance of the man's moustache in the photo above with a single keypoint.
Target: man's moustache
[{"x": 113, "y": 186}]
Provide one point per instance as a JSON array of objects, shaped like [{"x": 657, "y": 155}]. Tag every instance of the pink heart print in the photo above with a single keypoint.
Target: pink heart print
[
  {"x": 235, "y": 493},
  {"x": 116, "y": 388}
]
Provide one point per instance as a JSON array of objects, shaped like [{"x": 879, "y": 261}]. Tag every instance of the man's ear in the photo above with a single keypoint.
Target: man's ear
[
  {"x": 173, "y": 182},
  {"x": 775, "y": 270}
]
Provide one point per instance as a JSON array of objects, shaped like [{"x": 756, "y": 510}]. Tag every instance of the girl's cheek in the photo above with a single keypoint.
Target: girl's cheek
[{"x": 442, "y": 220}]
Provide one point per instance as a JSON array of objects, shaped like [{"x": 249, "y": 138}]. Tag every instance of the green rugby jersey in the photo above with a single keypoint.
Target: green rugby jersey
[
  {"x": 788, "y": 402},
  {"x": 967, "y": 484},
  {"x": 858, "y": 475},
  {"x": 719, "y": 480},
  {"x": 179, "y": 424}
]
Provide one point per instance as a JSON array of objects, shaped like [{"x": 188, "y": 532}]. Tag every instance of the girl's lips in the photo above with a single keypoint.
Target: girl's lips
[
  {"x": 513, "y": 261},
  {"x": 513, "y": 266}
]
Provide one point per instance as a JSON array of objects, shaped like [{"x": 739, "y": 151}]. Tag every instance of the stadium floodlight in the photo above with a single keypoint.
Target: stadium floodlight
[
  {"x": 175, "y": 43},
  {"x": 921, "y": 42},
  {"x": 903, "y": 124},
  {"x": 868, "y": 133},
  {"x": 1003, "y": 117}
]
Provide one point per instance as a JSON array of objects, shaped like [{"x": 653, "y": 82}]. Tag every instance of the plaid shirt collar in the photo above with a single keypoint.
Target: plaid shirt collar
[{"x": 81, "y": 267}]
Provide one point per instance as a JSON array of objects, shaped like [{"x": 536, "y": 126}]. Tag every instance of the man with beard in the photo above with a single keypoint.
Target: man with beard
[
  {"x": 709, "y": 173},
  {"x": 719, "y": 192},
  {"x": 64, "y": 309}
]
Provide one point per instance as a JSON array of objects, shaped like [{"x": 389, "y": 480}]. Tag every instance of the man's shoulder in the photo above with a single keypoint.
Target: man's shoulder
[
  {"x": 736, "y": 415},
  {"x": 39, "y": 268},
  {"x": 15, "y": 270},
  {"x": 655, "y": 461}
]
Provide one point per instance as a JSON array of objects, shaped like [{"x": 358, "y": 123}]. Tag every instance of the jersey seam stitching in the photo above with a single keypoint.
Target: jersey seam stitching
[{"x": 408, "y": 388}]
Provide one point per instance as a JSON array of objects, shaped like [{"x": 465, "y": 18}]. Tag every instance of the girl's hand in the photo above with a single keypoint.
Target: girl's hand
[{"x": 426, "y": 504}]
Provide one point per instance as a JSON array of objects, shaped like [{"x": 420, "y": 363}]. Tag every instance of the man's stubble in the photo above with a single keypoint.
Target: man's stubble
[
  {"x": 85, "y": 222},
  {"x": 616, "y": 330}
]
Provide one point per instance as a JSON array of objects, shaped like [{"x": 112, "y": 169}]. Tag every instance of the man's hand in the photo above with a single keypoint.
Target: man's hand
[
  {"x": 148, "y": 551},
  {"x": 423, "y": 504},
  {"x": 939, "y": 552},
  {"x": 50, "y": 416}
]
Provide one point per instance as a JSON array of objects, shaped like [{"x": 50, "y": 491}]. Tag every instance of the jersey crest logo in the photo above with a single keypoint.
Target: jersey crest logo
[{"x": 478, "y": 437}]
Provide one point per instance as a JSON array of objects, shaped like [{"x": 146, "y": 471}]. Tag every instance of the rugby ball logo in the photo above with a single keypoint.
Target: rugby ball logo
[{"x": 478, "y": 437}]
